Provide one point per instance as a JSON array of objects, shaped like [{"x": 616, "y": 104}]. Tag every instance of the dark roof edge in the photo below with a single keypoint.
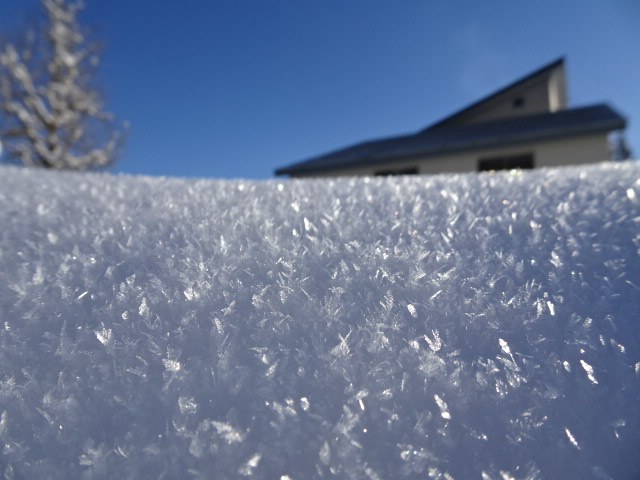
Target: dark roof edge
[
  {"x": 550, "y": 66},
  {"x": 604, "y": 126},
  {"x": 601, "y": 126},
  {"x": 288, "y": 169},
  {"x": 381, "y": 160}
]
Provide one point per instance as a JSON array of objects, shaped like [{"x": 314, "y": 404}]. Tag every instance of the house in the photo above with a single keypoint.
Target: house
[{"x": 526, "y": 124}]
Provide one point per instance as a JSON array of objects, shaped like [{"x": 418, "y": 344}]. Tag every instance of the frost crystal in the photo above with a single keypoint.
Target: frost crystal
[
  {"x": 589, "y": 369},
  {"x": 171, "y": 365},
  {"x": 444, "y": 327},
  {"x": 444, "y": 410},
  {"x": 571, "y": 438},
  {"x": 104, "y": 335},
  {"x": 252, "y": 463},
  {"x": 505, "y": 346}
]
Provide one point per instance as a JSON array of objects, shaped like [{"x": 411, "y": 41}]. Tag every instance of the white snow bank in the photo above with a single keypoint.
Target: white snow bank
[{"x": 447, "y": 327}]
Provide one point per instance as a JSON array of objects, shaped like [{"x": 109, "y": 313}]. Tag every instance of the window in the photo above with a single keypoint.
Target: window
[
  {"x": 518, "y": 102},
  {"x": 510, "y": 162},
  {"x": 397, "y": 171}
]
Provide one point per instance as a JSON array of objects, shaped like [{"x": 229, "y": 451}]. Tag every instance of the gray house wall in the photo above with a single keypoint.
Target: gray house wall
[{"x": 578, "y": 150}]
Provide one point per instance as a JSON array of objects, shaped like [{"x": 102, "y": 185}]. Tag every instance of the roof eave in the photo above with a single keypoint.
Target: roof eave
[{"x": 510, "y": 140}]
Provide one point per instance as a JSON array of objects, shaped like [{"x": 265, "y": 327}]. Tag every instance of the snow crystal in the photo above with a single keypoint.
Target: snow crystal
[
  {"x": 444, "y": 410},
  {"x": 589, "y": 369},
  {"x": 571, "y": 438},
  {"x": 445, "y": 327}
]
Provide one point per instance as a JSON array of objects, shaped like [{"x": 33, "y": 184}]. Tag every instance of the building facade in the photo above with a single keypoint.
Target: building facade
[{"x": 527, "y": 124}]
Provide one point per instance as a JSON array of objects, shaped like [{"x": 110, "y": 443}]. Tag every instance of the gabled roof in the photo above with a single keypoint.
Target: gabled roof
[
  {"x": 541, "y": 75},
  {"x": 495, "y": 120},
  {"x": 436, "y": 141}
]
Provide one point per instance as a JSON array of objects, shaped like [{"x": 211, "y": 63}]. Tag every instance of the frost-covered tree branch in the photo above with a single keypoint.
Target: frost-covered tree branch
[{"x": 52, "y": 116}]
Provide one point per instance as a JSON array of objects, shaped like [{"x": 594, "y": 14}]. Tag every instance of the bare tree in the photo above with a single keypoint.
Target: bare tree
[{"x": 51, "y": 113}]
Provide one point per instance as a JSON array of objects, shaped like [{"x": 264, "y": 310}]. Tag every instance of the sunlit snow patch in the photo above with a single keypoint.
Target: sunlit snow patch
[{"x": 445, "y": 327}]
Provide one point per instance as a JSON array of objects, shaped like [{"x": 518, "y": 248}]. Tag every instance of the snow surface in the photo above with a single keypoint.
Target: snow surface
[{"x": 480, "y": 326}]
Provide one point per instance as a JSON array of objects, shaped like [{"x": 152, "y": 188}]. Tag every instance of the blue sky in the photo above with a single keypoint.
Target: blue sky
[{"x": 237, "y": 88}]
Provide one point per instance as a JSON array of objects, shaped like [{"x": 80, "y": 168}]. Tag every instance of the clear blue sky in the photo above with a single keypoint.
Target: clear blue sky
[{"x": 237, "y": 88}]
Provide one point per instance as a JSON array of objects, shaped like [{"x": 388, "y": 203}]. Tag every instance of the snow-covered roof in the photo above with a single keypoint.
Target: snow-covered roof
[{"x": 443, "y": 327}]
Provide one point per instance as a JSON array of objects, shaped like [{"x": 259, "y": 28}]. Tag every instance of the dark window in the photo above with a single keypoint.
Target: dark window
[
  {"x": 398, "y": 171},
  {"x": 524, "y": 161},
  {"x": 518, "y": 102}
]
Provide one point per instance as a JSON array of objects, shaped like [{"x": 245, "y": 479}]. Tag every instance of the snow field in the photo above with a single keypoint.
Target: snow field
[{"x": 480, "y": 326}]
